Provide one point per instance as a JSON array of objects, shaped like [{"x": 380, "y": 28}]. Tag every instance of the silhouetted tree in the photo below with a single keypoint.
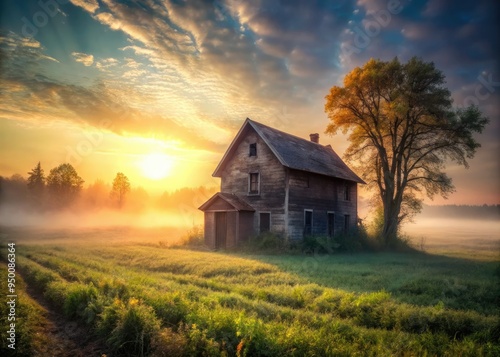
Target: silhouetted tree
[
  {"x": 64, "y": 184},
  {"x": 402, "y": 131},
  {"x": 97, "y": 194},
  {"x": 36, "y": 185},
  {"x": 13, "y": 190},
  {"x": 121, "y": 186}
]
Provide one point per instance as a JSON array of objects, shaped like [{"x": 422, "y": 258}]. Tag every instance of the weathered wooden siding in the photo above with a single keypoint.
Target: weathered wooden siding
[
  {"x": 245, "y": 226},
  {"x": 320, "y": 194},
  {"x": 271, "y": 195},
  {"x": 231, "y": 235},
  {"x": 210, "y": 229}
]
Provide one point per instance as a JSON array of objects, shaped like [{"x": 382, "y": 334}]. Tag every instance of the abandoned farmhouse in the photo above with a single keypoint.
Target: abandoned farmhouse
[{"x": 274, "y": 181}]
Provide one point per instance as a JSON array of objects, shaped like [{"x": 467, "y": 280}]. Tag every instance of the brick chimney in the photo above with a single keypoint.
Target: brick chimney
[{"x": 314, "y": 138}]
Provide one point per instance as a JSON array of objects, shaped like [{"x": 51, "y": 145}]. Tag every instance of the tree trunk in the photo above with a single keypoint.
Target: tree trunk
[
  {"x": 391, "y": 225},
  {"x": 390, "y": 231}
]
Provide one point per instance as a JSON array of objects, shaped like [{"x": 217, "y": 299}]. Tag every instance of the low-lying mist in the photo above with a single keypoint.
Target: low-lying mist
[
  {"x": 101, "y": 227},
  {"x": 93, "y": 211},
  {"x": 11, "y": 216},
  {"x": 463, "y": 230}
]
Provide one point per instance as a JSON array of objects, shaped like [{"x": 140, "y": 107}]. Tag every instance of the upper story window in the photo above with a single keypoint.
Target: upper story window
[
  {"x": 253, "y": 150},
  {"x": 347, "y": 192},
  {"x": 253, "y": 183}
]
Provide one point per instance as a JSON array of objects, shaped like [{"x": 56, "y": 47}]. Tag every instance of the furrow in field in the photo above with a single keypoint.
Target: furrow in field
[{"x": 283, "y": 302}]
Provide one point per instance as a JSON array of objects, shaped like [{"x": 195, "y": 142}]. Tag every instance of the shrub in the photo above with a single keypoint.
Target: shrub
[
  {"x": 199, "y": 341},
  {"x": 356, "y": 240},
  {"x": 109, "y": 317},
  {"x": 168, "y": 343},
  {"x": 170, "y": 308},
  {"x": 194, "y": 236},
  {"x": 78, "y": 299},
  {"x": 253, "y": 338},
  {"x": 272, "y": 242},
  {"x": 136, "y": 327},
  {"x": 403, "y": 244},
  {"x": 318, "y": 245},
  {"x": 114, "y": 287},
  {"x": 352, "y": 241}
]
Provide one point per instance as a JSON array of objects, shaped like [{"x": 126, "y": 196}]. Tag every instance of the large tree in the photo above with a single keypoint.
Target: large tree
[
  {"x": 64, "y": 184},
  {"x": 402, "y": 130},
  {"x": 121, "y": 186},
  {"x": 36, "y": 184}
]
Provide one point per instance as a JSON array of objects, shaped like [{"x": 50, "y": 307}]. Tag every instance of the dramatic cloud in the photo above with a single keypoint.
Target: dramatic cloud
[
  {"x": 87, "y": 60},
  {"x": 99, "y": 105},
  {"x": 198, "y": 68},
  {"x": 89, "y": 5}
]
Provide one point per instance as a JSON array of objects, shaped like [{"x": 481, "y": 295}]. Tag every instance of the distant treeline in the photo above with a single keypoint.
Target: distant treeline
[
  {"x": 38, "y": 192},
  {"x": 461, "y": 211}
]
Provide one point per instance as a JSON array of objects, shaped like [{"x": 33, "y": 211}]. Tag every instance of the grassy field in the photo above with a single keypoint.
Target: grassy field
[{"x": 139, "y": 298}]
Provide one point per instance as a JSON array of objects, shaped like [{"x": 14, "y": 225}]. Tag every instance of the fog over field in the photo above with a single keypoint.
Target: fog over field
[
  {"x": 12, "y": 217},
  {"x": 466, "y": 230},
  {"x": 462, "y": 230},
  {"x": 101, "y": 227},
  {"x": 455, "y": 235}
]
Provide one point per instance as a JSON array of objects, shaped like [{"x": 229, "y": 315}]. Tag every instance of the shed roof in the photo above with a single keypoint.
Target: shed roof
[
  {"x": 295, "y": 153},
  {"x": 237, "y": 202}
]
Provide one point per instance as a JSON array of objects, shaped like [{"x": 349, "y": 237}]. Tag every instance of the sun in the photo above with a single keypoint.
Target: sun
[{"x": 156, "y": 166}]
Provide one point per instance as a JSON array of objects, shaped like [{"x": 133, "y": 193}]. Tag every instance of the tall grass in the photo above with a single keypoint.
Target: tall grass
[{"x": 148, "y": 301}]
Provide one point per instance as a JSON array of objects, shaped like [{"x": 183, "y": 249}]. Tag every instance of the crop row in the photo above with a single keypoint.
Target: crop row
[{"x": 161, "y": 310}]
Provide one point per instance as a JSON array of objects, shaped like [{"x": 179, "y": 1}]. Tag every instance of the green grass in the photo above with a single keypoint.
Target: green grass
[
  {"x": 29, "y": 323},
  {"x": 420, "y": 279},
  {"x": 147, "y": 300}
]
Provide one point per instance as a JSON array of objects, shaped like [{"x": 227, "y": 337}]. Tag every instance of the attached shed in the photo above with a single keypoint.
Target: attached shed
[{"x": 228, "y": 220}]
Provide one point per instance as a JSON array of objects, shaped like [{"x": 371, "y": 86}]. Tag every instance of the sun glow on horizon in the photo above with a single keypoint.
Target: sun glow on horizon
[{"x": 156, "y": 166}]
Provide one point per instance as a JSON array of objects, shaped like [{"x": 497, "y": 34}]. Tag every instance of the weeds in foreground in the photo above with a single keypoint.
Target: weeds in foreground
[{"x": 193, "y": 239}]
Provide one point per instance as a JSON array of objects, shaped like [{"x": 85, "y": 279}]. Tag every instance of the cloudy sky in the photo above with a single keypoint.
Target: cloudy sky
[{"x": 158, "y": 88}]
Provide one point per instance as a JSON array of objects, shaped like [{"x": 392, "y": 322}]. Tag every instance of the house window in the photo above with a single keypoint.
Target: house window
[
  {"x": 308, "y": 222},
  {"x": 253, "y": 149},
  {"x": 347, "y": 222},
  {"x": 347, "y": 192},
  {"x": 253, "y": 183},
  {"x": 265, "y": 222},
  {"x": 330, "y": 224}
]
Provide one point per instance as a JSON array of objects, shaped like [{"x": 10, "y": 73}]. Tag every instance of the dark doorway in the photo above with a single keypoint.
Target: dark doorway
[
  {"x": 308, "y": 219},
  {"x": 220, "y": 230},
  {"x": 265, "y": 222},
  {"x": 331, "y": 224}
]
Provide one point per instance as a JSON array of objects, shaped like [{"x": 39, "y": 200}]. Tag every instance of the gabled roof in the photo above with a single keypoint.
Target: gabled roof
[
  {"x": 295, "y": 153},
  {"x": 238, "y": 203}
]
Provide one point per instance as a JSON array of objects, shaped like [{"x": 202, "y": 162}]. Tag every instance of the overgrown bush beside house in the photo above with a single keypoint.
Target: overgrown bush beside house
[{"x": 270, "y": 242}]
